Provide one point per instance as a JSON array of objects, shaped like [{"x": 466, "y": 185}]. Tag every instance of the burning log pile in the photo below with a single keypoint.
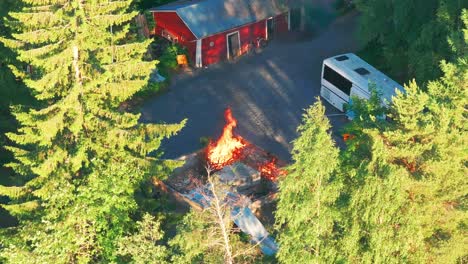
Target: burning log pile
[
  {"x": 248, "y": 172},
  {"x": 230, "y": 154},
  {"x": 228, "y": 148}
]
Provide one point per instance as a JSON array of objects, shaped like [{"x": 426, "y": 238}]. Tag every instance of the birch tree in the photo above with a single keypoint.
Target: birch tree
[{"x": 208, "y": 236}]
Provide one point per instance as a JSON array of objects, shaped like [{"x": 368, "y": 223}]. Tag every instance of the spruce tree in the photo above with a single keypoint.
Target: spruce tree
[
  {"x": 407, "y": 179},
  {"x": 12, "y": 92},
  {"x": 81, "y": 158},
  {"x": 306, "y": 216},
  {"x": 408, "y": 39},
  {"x": 144, "y": 246},
  {"x": 431, "y": 145}
]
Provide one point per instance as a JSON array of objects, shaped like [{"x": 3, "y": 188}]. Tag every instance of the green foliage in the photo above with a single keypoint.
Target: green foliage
[
  {"x": 412, "y": 36},
  {"x": 458, "y": 39},
  {"x": 204, "y": 141},
  {"x": 365, "y": 109},
  {"x": 90, "y": 222},
  {"x": 143, "y": 6},
  {"x": 397, "y": 193},
  {"x": 343, "y": 6},
  {"x": 207, "y": 236},
  {"x": 12, "y": 191},
  {"x": 306, "y": 216},
  {"x": 147, "y": 4},
  {"x": 150, "y": 19},
  {"x": 199, "y": 241},
  {"x": 190, "y": 245},
  {"x": 143, "y": 246},
  {"x": 12, "y": 92},
  {"x": 406, "y": 184},
  {"x": 168, "y": 61},
  {"x": 367, "y": 113},
  {"x": 81, "y": 157}
]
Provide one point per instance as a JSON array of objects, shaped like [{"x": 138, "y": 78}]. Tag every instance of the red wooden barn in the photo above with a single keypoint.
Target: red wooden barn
[{"x": 215, "y": 30}]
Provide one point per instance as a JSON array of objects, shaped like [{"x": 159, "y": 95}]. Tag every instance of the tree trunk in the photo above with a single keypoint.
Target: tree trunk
[{"x": 219, "y": 213}]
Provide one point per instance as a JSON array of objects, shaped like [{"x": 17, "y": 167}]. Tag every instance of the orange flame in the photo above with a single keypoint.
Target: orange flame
[
  {"x": 347, "y": 137},
  {"x": 270, "y": 171},
  {"x": 227, "y": 149}
]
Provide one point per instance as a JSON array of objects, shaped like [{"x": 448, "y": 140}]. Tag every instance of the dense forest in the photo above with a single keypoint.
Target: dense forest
[{"x": 78, "y": 169}]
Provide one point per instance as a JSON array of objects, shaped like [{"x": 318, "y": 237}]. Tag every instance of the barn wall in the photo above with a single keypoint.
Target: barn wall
[
  {"x": 171, "y": 22},
  {"x": 281, "y": 23},
  {"x": 218, "y": 52},
  {"x": 192, "y": 49}
]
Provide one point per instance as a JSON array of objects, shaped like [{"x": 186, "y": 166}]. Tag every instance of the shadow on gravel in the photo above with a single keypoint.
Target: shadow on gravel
[{"x": 266, "y": 92}]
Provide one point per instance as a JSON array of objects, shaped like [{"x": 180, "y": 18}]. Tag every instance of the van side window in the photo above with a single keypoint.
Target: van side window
[{"x": 337, "y": 80}]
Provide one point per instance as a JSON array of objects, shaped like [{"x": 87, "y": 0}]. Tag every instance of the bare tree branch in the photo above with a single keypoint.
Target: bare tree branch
[{"x": 220, "y": 213}]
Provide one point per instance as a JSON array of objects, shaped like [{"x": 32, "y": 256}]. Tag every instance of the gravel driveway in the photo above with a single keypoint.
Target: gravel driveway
[{"x": 267, "y": 92}]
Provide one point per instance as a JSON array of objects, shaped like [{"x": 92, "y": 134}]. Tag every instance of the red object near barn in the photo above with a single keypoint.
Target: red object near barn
[{"x": 216, "y": 30}]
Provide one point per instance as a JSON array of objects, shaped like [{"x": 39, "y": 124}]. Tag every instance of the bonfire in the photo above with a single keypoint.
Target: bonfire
[
  {"x": 228, "y": 148},
  {"x": 249, "y": 172},
  {"x": 231, "y": 148}
]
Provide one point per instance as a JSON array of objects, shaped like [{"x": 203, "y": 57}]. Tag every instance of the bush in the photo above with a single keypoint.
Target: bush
[
  {"x": 168, "y": 59},
  {"x": 204, "y": 141}
]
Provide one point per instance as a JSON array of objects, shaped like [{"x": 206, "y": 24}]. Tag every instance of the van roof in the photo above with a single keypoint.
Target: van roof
[{"x": 362, "y": 73}]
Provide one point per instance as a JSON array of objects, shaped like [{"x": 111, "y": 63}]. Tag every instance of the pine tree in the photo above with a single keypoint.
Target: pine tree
[
  {"x": 307, "y": 215},
  {"x": 81, "y": 158}
]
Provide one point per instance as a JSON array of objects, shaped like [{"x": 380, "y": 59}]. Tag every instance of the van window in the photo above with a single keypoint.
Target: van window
[{"x": 337, "y": 80}]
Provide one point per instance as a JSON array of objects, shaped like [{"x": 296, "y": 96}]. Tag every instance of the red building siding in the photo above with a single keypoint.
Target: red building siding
[
  {"x": 281, "y": 23},
  {"x": 172, "y": 23},
  {"x": 218, "y": 52}
]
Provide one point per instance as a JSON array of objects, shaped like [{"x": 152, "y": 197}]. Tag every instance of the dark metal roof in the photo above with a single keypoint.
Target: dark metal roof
[
  {"x": 208, "y": 17},
  {"x": 362, "y": 71},
  {"x": 341, "y": 58}
]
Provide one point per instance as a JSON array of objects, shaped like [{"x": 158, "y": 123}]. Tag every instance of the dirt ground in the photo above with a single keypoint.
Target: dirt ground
[{"x": 267, "y": 92}]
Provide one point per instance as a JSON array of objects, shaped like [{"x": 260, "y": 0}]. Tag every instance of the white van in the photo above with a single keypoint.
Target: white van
[{"x": 348, "y": 75}]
